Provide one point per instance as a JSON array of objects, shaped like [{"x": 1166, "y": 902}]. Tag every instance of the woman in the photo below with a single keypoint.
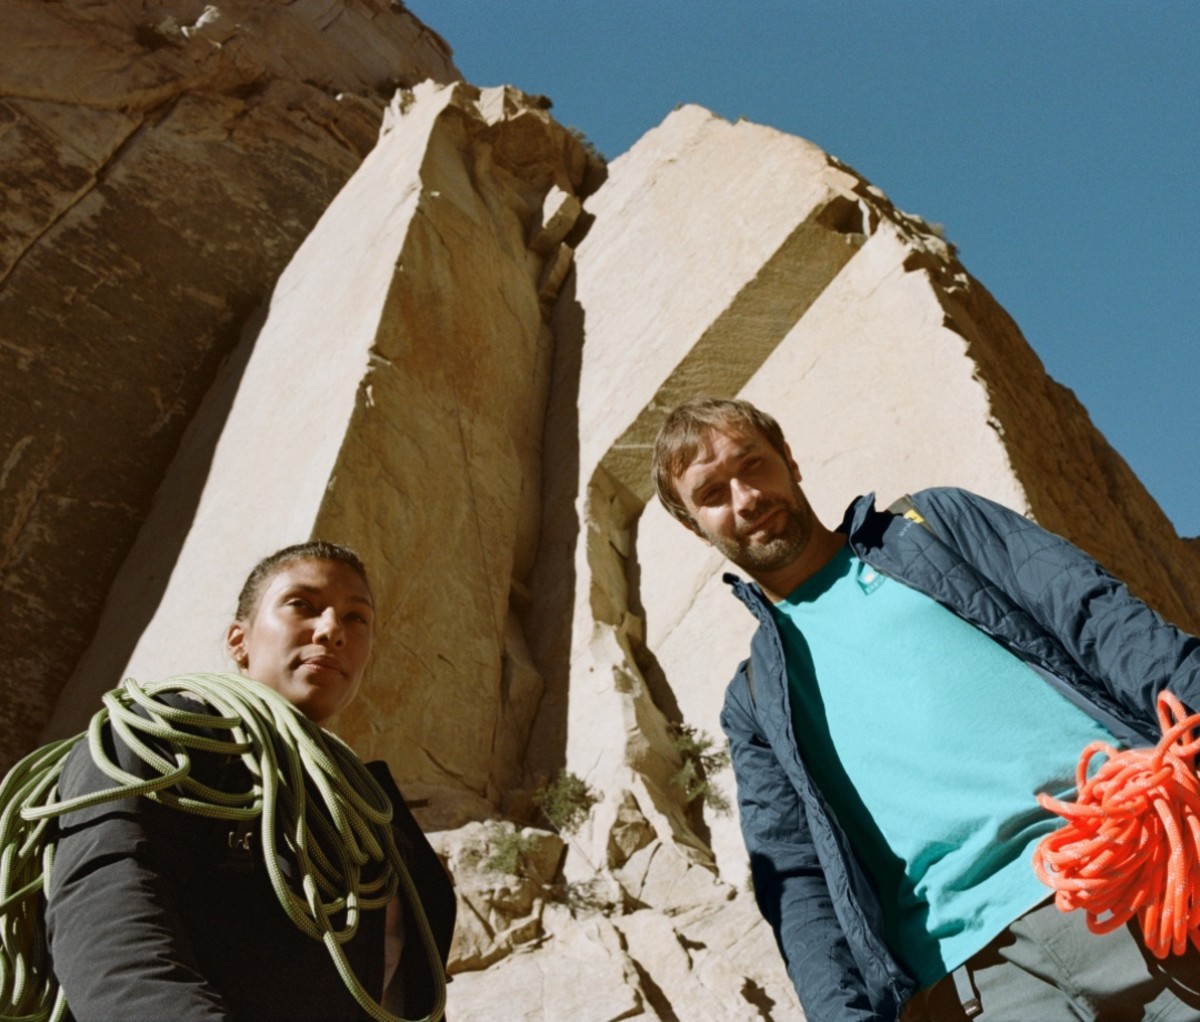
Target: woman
[{"x": 154, "y": 913}]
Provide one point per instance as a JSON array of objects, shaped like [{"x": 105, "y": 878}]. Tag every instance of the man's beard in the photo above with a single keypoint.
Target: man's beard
[{"x": 777, "y": 552}]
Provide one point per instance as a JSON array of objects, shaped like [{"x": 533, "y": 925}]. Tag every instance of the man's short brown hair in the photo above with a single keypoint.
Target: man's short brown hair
[{"x": 687, "y": 428}]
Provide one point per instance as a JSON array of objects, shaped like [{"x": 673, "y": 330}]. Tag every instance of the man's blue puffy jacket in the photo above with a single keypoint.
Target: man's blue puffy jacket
[{"x": 1030, "y": 590}]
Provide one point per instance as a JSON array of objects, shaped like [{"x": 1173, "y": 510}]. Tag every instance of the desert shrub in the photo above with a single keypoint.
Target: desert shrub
[
  {"x": 565, "y": 801},
  {"x": 508, "y": 853},
  {"x": 701, "y": 758}
]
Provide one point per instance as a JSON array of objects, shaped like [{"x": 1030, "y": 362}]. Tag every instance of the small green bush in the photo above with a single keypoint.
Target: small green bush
[
  {"x": 701, "y": 759},
  {"x": 508, "y": 853},
  {"x": 565, "y": 801}
]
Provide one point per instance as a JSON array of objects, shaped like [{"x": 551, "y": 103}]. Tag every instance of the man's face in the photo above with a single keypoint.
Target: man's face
[{"x": 745, "y": 499}]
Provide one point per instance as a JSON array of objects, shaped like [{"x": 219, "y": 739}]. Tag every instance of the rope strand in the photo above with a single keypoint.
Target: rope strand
[
  {"x": 317, "y": 805},
  {"x": 1130, "y": 847}
]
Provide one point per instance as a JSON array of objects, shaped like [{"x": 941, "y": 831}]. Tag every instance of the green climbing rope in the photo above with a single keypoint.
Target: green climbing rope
[{"x": 345, "y": 853}]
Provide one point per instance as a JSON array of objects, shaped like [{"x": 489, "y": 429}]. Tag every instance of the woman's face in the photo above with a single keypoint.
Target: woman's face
[{"x": 308, "y": 637}]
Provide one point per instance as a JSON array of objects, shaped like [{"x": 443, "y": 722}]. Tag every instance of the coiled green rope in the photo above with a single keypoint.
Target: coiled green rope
[{"x": 345, "y": 852}]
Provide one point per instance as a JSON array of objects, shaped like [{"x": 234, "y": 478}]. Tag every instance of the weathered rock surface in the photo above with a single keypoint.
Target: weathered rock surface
[
  {"x": 161, "y": 163},
  {"x": 460, "y": 373},
  {"x": 379, "y": 405}
]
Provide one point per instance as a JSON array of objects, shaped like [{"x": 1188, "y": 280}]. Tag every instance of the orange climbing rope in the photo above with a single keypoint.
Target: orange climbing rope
[{"x": 1131, "y": 843}]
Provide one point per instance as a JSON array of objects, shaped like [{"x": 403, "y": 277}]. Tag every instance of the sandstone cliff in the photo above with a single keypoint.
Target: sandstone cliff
[
  {"x": 459, "y": 371},
  {"x": 162, "y": 162}
]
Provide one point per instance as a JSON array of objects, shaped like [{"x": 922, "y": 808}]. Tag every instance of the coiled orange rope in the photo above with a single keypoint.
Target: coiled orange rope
[{"x": 1131, "y": 843}]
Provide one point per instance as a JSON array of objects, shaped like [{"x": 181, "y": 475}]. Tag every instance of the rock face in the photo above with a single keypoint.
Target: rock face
[
  {"x": 378, "y": 405},
  {"x": 460, "y": 372},
  {"x": 162, "y": 162}
]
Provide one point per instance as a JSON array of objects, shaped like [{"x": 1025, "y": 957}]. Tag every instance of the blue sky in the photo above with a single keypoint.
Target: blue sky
[{"x": 1058, "y": 143}]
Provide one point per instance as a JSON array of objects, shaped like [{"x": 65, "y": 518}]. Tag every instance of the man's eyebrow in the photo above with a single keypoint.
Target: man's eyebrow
[{"x": 705, "y": 477}]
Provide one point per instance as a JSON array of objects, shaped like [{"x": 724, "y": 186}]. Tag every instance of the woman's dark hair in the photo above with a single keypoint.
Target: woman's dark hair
[{"x": 268, "y": 567}]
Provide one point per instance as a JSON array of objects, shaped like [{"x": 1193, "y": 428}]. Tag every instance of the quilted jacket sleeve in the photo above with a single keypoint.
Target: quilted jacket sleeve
[
  {"x": 1115, "y": 637},
  {"x": 788, "y": 881}
]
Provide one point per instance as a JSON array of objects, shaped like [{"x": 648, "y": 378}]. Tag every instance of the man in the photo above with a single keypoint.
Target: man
[{"x": 914, "y": 682}]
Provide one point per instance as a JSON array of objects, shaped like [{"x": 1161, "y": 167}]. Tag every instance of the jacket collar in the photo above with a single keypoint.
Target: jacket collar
[{"x": 854, "y": 524}]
